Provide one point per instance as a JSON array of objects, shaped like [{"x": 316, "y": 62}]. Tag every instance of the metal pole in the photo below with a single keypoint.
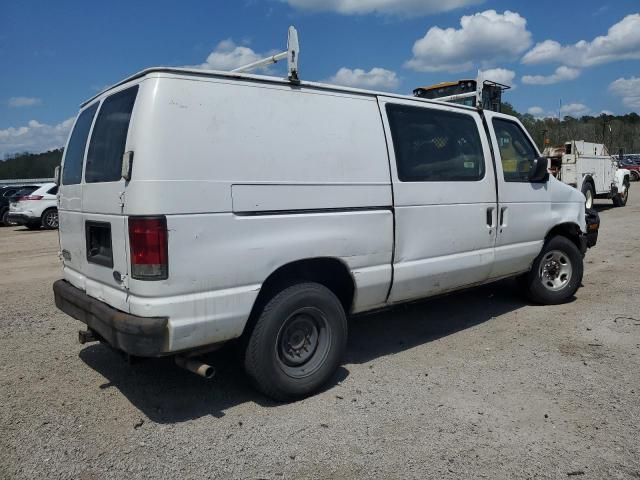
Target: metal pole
[{"x": 262, "y": 63}]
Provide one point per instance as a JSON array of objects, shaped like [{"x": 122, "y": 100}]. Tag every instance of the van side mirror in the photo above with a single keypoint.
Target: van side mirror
[
  {"x": 539, "y": 170},
  {"x": 56, "y": 175}
]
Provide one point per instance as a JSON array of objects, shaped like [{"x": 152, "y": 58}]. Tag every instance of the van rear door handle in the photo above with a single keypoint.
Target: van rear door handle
[{"x": 490, "y": 217}]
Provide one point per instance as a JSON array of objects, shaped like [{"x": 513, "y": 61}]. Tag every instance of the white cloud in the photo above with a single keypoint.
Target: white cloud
[
  {"x": 228, "y": 55},
  {"x": 628, "y": 89},
  {"x": 574, "y": 110},
  {"x": 483, "y": 37},
  {"x": 386, "y": 7},
  {"x": 622, "y": 42},
  {"x": 500, "y": 75},
  {"x": 536, "y": 111},
  {"x": 562, "y": 74},
  {"x": 18, "y": 102},
  {"x": 34, "y": 137},
  {"x": 376, "y": 78}
]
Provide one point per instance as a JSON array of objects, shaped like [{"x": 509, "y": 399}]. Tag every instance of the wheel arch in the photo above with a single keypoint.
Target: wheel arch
[
  {"x": 569, "y": 230},
  {"x": 331, "y": 272},
  {"x": 588, "y": 179}
]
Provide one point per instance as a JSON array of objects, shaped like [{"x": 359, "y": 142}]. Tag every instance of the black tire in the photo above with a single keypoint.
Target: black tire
[
  {"x": 312, "y": 318},
  {"x": 545, "y": 284},
  {"x": 620, "y": 200},
  {"x": 49, "y": 219},
  {"x": 4, "y": 217},
  {"x": 635, "y": 176},
  {"x": 589, "y": 194}
]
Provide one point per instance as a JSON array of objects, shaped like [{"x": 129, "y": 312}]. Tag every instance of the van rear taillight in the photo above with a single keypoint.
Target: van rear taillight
[
  {"x": 149, "y": 248},
  {"x": 31, "y": 197}
]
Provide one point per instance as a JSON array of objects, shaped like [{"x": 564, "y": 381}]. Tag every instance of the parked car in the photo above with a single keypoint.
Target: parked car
[
  {"x": 633, "y": 165},
  {"x": 10, "y": 194},
  {"x": 6, "y": 192},
  {"x": 200, "y": 207},
  {"x": 35, "y": 208}
]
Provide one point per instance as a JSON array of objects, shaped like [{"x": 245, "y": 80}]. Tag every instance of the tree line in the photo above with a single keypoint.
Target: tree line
[
  {"x": 615, "y": 131},
  {"x": 30, "y": 165}
]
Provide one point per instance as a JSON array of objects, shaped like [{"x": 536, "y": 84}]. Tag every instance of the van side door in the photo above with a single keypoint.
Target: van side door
[
  {"x": 444, "y": 197},
  {"x": 524, "y": 215}
]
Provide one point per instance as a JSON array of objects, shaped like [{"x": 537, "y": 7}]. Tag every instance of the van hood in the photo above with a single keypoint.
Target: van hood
[{"x": 561, "y": 192}]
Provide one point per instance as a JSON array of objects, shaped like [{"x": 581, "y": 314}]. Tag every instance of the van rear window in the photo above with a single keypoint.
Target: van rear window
[
  {"x": 104, "y": 159},
  {"x": 73, "y": 157}
]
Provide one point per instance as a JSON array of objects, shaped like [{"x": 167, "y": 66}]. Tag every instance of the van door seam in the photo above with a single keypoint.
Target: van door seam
[
  {"x": 495, "y": 168},
  {"x": 393, "y": 204}
]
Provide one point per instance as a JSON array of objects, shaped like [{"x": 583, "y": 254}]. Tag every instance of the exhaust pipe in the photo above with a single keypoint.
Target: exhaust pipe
[{"x": 195, "y": 366}]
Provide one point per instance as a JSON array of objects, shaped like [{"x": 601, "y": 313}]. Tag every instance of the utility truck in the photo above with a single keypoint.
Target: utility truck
[
  {"x": 480, "y": 93},
  {"x": 591, "y": 169}
]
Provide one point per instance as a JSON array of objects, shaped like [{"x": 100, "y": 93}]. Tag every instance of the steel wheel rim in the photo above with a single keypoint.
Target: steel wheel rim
[
  {"x": 303, "y": 342},
  {"x": 589, "y": 202},
  {"x": 51, "y": 220},
  {"x": 625, "y": 194},
  {"x": 555, "y": 270}
]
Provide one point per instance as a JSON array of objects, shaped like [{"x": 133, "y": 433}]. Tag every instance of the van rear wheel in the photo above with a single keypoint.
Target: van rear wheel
[
  {"x": 297, "y": 342},
  {"x": 556, "y": 273}
]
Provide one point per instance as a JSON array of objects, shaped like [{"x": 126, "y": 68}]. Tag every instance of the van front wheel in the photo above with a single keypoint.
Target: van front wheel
[
  {"x": 297, "y": 342},
  {"x": 556, "y": 273}
]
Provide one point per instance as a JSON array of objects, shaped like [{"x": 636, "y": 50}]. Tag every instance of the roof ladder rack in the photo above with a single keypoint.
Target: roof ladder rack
[{"x": 291, "y": 54}]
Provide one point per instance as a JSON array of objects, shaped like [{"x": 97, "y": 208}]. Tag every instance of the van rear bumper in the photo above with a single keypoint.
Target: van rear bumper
[{"x": 138, "y": 336}]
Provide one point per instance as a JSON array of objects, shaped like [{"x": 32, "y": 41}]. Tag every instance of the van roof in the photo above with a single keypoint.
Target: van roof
[{"x": 267, "y": 79}]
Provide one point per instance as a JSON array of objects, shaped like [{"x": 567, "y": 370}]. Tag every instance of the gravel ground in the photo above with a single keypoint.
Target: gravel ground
[{"x": 478, "y": 384}]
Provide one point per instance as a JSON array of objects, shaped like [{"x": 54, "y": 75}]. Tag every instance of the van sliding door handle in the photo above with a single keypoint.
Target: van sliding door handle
[{"x": 503, "y": 217}]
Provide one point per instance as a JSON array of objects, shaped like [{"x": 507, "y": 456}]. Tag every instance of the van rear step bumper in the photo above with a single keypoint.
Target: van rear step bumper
[{"x": 138, "y": 336}]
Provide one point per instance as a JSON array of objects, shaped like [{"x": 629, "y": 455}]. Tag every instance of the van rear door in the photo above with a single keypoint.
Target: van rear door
[{"x": 93, "y": 229}]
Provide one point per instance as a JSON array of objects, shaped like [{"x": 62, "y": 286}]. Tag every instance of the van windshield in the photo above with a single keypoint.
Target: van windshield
[{"x": 109, "y": 137}]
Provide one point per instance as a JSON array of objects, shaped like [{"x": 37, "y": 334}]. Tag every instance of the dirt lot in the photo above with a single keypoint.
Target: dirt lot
[{"x": 475, "y": 385}]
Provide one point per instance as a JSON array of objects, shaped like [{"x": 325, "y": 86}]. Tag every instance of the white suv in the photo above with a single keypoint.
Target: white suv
[{"x": 37, "y": 209}]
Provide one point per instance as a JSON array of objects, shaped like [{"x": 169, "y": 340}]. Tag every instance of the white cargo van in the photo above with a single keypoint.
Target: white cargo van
[{"x": 199, "y": 207}]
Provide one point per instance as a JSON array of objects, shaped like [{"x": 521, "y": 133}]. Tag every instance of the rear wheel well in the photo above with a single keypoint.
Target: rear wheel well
[
  {"x": 568, "y": 230},
  {"x": 330, "y": 272}
]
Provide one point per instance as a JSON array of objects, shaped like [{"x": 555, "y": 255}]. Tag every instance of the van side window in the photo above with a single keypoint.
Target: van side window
[
  {"x": 104, "y": 159},
  {"x": 53, "y": 190},
  {"x": 516, "y": 151},
  {"x": 73, "y": 157},
  {"x": 435, "y": 145}
]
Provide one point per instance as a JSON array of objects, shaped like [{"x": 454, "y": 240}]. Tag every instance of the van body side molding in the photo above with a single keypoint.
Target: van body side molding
[
  {"x": 311, "y": 211},
  {"x": 310, "y": 197}
]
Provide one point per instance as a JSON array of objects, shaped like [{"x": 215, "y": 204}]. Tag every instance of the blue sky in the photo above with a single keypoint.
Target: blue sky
[{"x": 585, "y": 53}]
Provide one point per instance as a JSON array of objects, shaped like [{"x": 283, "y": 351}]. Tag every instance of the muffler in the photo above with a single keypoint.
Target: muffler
[{"x": 195, "y": 366}]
